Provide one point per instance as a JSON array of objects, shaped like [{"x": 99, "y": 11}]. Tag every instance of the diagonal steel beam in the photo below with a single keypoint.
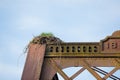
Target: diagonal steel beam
[
  {"x": 110, "y": 73},
  {"x": 104, "y": 73},
  {"x": 58, "y": 69},
  {"x": 87, "y": 66},
  {"x": 77, "y": 73}
]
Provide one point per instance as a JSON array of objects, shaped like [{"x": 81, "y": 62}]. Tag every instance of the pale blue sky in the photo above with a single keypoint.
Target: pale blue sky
[{"x": 70, "y": 20}]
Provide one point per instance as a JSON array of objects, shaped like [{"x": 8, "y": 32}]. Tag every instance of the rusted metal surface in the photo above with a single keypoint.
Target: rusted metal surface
[
  {"x": 106, "y": 73},
  {"x": 44, "y": 62},
  {"x": 54, "y": 65},
  {"x": 34, "y": 62},
  {"x": 108, "y": 47}
]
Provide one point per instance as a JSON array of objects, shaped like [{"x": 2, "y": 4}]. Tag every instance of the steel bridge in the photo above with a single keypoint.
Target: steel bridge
[{"x": 47, "y": 60}]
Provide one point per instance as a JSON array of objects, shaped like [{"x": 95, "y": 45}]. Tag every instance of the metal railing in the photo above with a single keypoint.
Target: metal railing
[{"x": 73, "y": 48}]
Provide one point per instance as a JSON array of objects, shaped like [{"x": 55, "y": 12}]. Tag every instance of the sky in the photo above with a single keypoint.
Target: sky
[{"x": 70, "y": 20}]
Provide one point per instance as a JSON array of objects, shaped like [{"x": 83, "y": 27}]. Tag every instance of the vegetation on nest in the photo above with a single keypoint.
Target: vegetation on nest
[
  {"x": 46, "y": 38},
  {"x": 46, "y": 34}
]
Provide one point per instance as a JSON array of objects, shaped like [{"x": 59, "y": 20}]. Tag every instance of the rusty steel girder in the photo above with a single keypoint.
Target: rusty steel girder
[{"x": 44, "y": 61}]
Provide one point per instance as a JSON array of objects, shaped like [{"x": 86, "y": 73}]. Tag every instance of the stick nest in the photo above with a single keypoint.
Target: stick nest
[{"x": 46, "y": 38}]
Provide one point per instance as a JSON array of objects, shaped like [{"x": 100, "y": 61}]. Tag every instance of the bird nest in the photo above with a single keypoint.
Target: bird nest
[{"x": 46, "y": 38}]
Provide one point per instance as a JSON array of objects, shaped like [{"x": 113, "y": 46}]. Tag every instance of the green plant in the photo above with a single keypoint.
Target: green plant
[{"x": 46, "y": 34}]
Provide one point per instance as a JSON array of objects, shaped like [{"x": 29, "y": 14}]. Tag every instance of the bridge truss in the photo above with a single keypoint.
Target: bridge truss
[{"x": 44, "y": 61}]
